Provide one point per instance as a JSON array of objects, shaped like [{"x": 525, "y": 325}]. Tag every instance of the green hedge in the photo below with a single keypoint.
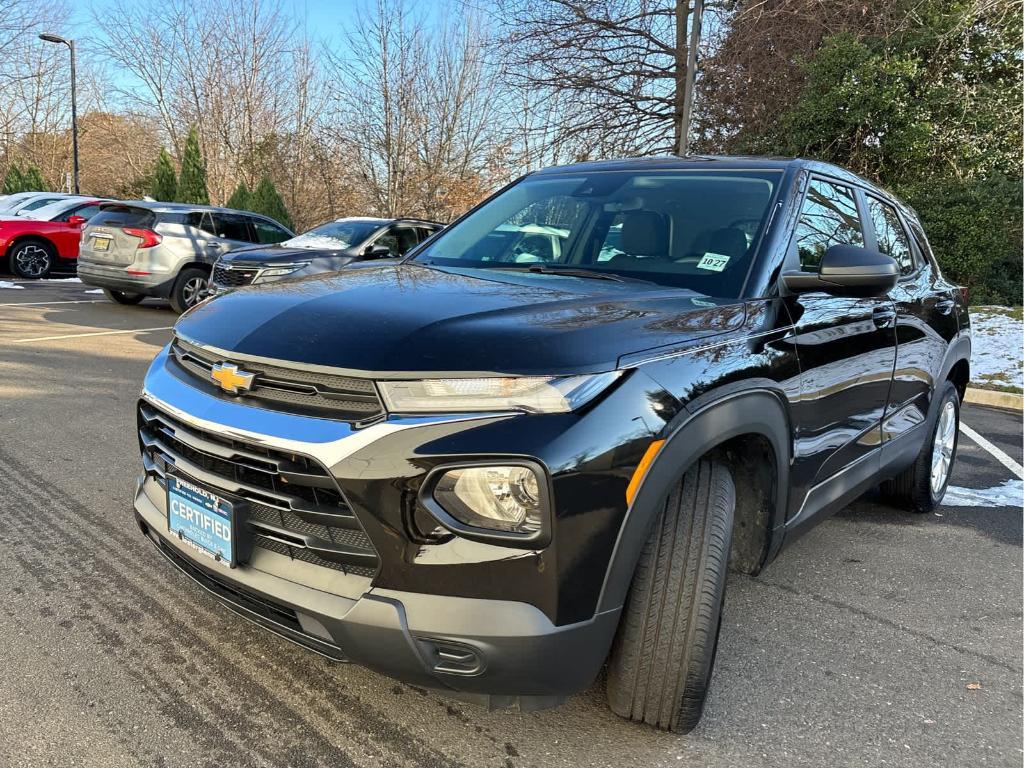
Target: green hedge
[{"x": 975, "y": 228}]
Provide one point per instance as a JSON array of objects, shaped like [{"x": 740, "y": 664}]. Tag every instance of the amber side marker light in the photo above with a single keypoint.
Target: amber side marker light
[{"x": 641, "y": 469}]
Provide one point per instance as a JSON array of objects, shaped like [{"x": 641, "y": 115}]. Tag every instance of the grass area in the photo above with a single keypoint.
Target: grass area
[{"x": 1014, "y": 313}]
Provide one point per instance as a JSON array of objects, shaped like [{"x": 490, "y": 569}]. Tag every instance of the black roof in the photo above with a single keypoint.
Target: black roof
[
  {"x": 707, "y": 162},
  {"x": 669, "y": 162}
]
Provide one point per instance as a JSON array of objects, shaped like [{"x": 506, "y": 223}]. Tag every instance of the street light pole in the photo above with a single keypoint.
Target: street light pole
[{"x": 74, "y": 103}]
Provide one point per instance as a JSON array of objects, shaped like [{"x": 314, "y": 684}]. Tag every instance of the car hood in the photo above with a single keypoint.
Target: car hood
[
  {"x": 278, "y": 254},
  {"x": 408, "y": 318}
]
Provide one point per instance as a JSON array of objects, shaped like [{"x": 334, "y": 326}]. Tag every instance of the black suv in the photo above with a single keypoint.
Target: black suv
[
  {"x": 534, "y": 447},
  {"x": 327, "y": 248}
]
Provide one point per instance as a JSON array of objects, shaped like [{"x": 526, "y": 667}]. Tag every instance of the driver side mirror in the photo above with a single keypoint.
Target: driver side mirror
[
  {"x": 847, "y": 270},
  {"x": 377, "y": 252},
  {"x": 76, "y": 221}
]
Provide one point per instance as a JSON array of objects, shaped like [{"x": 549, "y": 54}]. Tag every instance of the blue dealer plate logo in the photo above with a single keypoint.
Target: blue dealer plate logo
[{"x": 201, "y": 519}]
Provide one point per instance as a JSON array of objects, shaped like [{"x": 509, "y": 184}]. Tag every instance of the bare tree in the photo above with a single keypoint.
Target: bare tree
[
  {"x": 237, "y": 70},
  {"x": 419, "y": 111},
  {"x": 32, "y": 90},
  {"x": 606, "y": 76}
]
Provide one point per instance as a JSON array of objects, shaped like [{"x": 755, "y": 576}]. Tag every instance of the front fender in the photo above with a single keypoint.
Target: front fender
[{"x": 687, "y": 438}]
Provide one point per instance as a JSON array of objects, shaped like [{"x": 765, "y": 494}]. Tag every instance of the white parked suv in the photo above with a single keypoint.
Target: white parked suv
[{"x": 167, "y": 250}]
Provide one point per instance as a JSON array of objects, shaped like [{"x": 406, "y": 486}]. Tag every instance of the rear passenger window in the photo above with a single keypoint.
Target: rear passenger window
[
  {"x": 231, "y": 227},
  {"x": 398, "y": 240},
  {"x": 268, "y": 233},
  {"x": 85, "y": 211},
  {"x": 828, "y": 217},
  {"x": 892, "y": 238}
]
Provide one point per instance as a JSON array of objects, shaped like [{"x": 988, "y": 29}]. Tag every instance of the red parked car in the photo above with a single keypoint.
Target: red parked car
[{"x": 46, "y": 239}]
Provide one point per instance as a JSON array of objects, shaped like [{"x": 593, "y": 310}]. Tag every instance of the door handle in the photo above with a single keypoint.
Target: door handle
[
  {"x": 883, "y": 316},
  {"x": 945, "y": 306}
]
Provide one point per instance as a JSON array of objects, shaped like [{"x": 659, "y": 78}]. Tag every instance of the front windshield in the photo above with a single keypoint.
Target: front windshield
[
  {"x": 11, "y": 202},
  {"x": 687, "y": 229},
  {"x": 336, "y": 234},
  {"x": 38, "y": 203}
]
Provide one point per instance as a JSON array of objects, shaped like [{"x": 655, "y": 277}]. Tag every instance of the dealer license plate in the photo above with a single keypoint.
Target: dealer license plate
[
  {"x": 100, "y": 243},
  {"x": 202, "y": 520}
]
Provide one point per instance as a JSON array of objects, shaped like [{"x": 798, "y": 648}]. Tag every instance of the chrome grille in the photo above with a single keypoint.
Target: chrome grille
[
  {"x": 293, "y": 506},
  {"x": 234, "y": 277},
  {"x": 291, "y": 390}
]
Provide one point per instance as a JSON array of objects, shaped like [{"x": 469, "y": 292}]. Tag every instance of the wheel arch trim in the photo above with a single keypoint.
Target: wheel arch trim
[{"x": 760, "y": 411}]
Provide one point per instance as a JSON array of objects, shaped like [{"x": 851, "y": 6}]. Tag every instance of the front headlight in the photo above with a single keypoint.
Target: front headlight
[
  {"x": 280, "y": 270},
  {"x": 533, "y": 394}
]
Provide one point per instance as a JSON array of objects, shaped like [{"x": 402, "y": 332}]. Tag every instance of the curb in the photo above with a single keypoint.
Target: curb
[{"x": 990, "y": 397}]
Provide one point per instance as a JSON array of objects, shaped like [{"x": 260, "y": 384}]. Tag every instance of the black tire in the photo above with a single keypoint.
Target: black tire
[
  {"x": 120, "y": 297},
  {"x": 32, "y": 259},
  {"x": 185, "y": 295},
  {"x": 912, "y": 489},
  {"x": 661, "y": 661}
]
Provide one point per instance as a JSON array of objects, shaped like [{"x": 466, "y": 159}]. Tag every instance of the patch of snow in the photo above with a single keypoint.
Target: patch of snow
[
  {"x": 1009, "y": 494},
  {"x": 95, "y": 290},
  {"x": 311, "y": 241},
  {"x": 9, "y": 284},
  {"x": 997, "y": 342},
  {"x": 60, "y": 280}
]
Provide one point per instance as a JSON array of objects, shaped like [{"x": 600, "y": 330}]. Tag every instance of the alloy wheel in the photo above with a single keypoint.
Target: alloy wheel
[
  {"x": 32, "y": 261},
  {"x": 193, "y": 290},
  {"x": 942, "y": 447}
]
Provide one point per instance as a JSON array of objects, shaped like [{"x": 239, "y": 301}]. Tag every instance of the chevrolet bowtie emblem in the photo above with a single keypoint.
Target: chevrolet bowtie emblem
[{"x": 230, "y": 379}]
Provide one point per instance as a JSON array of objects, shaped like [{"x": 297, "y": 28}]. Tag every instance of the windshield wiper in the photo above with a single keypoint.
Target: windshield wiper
[{"x": 543, "y": 269}]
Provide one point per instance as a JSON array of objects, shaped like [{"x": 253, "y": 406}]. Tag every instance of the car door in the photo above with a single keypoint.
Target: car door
[
  {"x": 230, "y": 231},
  {"x": 67, "y": 238},
  {"x": 846, "y": 346},
  {"x": 926, "y": 319}
]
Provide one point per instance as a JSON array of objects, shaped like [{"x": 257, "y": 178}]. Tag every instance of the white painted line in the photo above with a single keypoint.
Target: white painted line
[
  {"x": 41, "y": 303},
  {"x": 1001, "y": 457},
  {"x": 94, "y": 333}
]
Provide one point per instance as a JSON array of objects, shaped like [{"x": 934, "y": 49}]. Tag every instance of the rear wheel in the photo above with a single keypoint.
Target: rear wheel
[
  {"x": 189, "y": 289},
  {"x": 661, "y": 661},
  {"x": 32, "y": 259},
  {"x": 921, "y": 486},
  {"x": 123, "y": 298}
]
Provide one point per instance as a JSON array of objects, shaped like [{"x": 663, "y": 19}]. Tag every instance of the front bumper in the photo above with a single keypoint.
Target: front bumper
[
  {"x": 494, "y": 651},
  {"x": 457, "y": 614}
]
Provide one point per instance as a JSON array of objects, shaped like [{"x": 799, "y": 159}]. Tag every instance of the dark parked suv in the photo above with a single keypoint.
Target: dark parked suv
[
  {"x": 534, "y": 447},
  {"x": 326, "y": 248}
]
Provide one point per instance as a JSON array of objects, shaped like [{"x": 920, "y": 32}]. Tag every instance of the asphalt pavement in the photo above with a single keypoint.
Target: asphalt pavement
[{"x": 880, "y": 638}]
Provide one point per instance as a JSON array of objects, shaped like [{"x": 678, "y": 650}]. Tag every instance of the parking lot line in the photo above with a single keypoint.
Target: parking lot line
[
  {"x": 40, "y": 303},
  {"x": 92, "y": 333},
  {"x": 1001, "y": 457}
]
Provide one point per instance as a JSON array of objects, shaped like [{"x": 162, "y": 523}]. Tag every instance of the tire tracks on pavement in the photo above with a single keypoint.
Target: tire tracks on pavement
[{"x": 66, "y": 548}]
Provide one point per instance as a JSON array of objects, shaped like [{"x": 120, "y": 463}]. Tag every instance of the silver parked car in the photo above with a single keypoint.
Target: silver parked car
[
  {"x": 137, "y": 249},
  {"x": 22, "y": 202}
]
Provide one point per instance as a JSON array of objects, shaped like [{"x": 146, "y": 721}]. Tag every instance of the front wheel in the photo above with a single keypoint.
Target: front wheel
[
  {"x": 189, "y": 289},
  {"x": 32, "y": 259},
  {"x": 661, "y": 661},
  {"x": 921, "y": 487}
]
